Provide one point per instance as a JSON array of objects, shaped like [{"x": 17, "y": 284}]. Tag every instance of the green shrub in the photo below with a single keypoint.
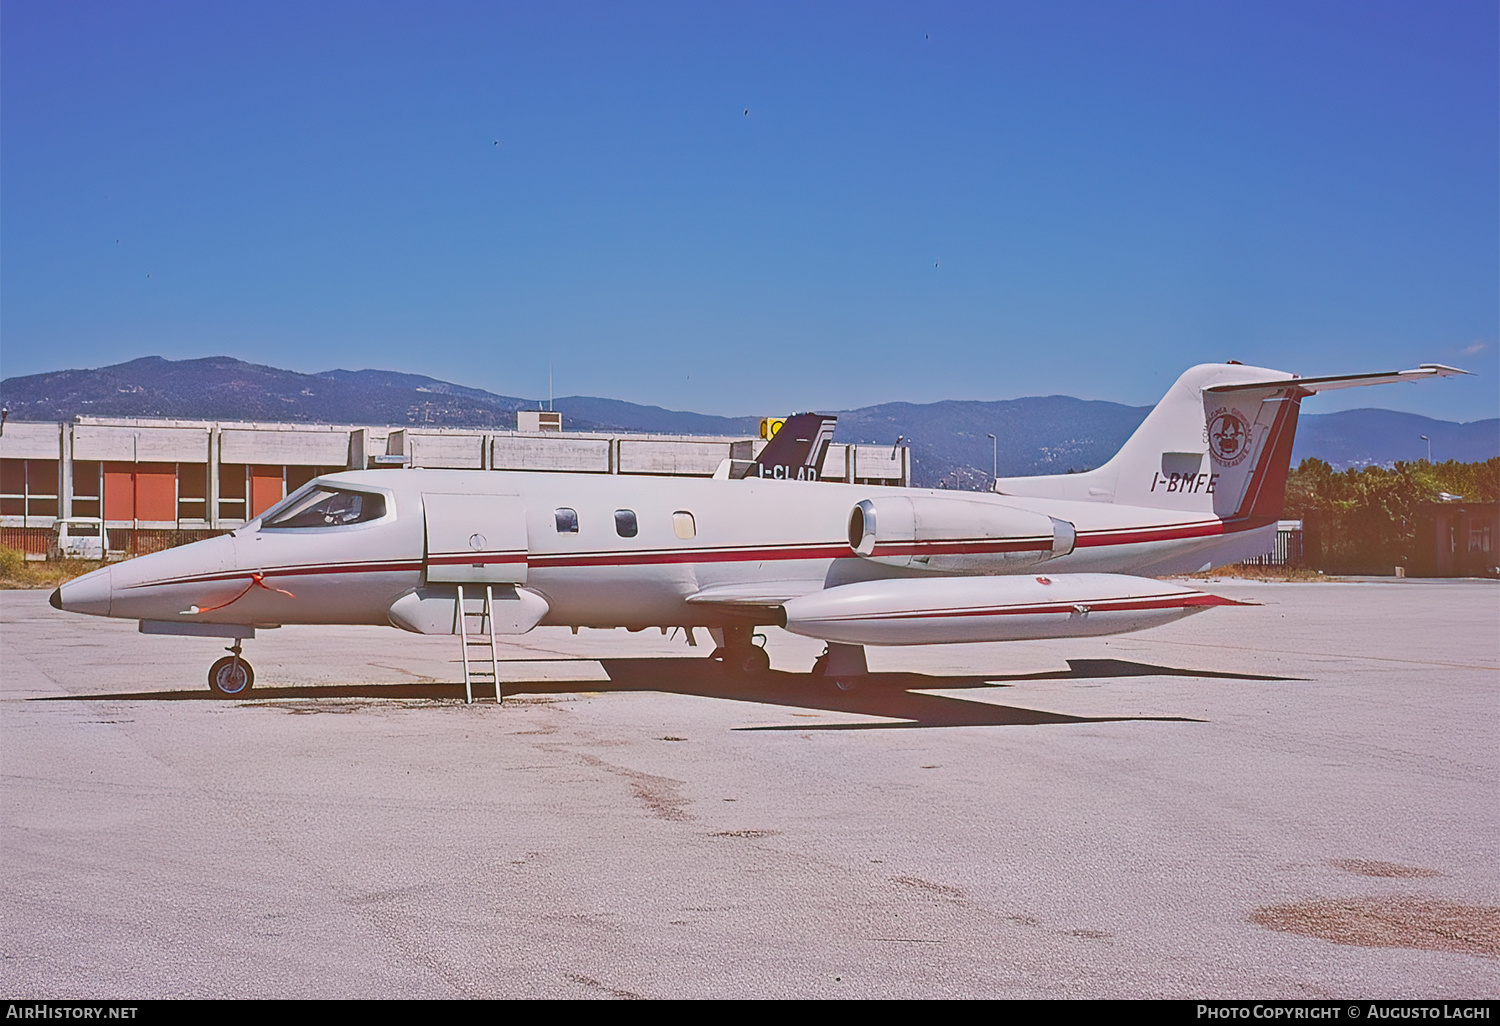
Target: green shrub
[{"x": 12, "y": 562}]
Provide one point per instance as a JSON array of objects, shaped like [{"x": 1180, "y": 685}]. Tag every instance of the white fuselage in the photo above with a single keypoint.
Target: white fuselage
[{"x": 791, "y": 537}]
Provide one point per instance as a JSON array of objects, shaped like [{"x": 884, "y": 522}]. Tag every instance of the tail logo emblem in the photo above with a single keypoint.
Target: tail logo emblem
[{"x": 1228, "y": 437}]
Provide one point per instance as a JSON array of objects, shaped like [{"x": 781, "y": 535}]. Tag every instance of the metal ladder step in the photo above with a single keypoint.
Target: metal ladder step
[{"x": 483, "y": 638}]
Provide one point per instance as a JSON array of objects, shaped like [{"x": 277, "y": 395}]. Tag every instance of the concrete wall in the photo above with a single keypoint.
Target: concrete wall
[
  {"x": 671, "y": 456},
  {"x": 166, "y": 475},
  {"x": 879, "y": 463},
  {"x": 31, "y": 441},
  {"x": 552, "y": 451},
  {"x": 292, "y": 445}
]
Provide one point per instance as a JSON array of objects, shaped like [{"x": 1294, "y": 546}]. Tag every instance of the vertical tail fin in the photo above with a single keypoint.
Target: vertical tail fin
[{"x": 1211, "y": 446}]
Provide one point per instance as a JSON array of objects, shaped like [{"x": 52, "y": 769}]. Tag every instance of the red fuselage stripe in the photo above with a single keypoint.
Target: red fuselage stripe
[
  {"x": 814, "y": 551},
  {"x": 290, "y": 571},
  {"x": 793, "y": 551},
  {"x": 475, "y": 558}
]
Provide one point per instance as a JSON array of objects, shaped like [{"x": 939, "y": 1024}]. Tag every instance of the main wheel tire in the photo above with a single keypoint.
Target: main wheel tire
[
  {"x": 230, "y": 676},
  {"x": 752, "y": 661}
]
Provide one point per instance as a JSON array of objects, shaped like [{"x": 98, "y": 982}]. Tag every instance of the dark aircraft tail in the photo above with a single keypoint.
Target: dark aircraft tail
[{"x": 795, "y": 453}]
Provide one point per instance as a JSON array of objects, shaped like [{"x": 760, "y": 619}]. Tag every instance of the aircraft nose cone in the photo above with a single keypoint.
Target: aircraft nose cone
[
  {"x": 56, "y": 598},
  {"x": 90, "y": 593}
]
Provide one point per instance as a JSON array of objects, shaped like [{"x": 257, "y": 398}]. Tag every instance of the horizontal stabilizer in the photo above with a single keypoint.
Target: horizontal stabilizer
[{"x": 1335, "y": 381}]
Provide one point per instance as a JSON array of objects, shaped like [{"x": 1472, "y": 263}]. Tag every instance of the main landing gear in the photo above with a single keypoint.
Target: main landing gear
[
  {"x": 231, "y": 675},
  {"x": 739, "y": 653}
]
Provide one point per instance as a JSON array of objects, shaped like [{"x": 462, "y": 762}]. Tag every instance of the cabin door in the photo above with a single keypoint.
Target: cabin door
[{"x": 475, "y": 539}]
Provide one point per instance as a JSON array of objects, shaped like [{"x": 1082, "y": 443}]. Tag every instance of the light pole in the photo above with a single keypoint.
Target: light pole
[
  {"x": 1429, "y": 447},
  {"x": 994, "y": 459}
]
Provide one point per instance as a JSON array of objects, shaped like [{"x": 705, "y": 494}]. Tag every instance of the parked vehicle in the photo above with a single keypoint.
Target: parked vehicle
[{"x": 78, "y": 538}]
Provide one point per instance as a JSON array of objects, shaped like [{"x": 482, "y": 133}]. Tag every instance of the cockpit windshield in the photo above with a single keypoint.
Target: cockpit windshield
[{"x": 321, "y": 506}]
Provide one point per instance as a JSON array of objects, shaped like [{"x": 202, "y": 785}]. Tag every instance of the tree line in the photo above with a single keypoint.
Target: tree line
[{"x": 1367, "y": 520}]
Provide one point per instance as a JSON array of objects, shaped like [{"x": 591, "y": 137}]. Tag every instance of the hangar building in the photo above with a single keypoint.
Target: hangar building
[{"x": 158, "y": 483}]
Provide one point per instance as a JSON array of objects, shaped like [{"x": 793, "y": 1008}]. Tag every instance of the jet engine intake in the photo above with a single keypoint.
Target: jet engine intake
[{"x": 963, "y": 536}]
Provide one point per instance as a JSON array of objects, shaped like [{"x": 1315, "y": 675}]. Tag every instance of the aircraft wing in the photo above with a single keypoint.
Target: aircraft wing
[
  {"x": 758, "y": 595},
  {"x": 1334, "y": 381}
]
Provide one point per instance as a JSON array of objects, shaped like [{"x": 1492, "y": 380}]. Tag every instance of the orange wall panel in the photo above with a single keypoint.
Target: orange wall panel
[
  {"x": 119, "y": 491},
  {"x": 265, "y": 489},
  {"x": 156, "y": 491}
]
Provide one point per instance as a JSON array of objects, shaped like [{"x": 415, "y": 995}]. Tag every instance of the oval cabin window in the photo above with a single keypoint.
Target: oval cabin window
[
  {"x": 567, "y": 520},
  {"x": 683, "y": 525},
  {"x": 625, "y": 524}
]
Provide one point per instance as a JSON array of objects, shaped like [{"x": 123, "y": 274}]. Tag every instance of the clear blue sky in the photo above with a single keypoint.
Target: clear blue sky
[{"x": 752, "y": 208}]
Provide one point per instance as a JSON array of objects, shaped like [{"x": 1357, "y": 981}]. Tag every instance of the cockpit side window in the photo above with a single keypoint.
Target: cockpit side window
[
  {"x": 327, "y": 507},
  {"x": 294, "y": 499}
]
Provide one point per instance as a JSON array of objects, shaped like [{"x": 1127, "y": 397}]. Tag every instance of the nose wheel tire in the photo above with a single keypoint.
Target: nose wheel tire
[{"x": 230, "y": 676}]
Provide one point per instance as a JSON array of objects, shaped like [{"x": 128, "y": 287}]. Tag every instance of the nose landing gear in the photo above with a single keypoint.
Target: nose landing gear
[{"x": 231, "y": 675}]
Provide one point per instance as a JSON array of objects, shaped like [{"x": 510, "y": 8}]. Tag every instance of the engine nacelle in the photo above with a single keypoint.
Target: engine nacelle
[
  {"x": 940, "y": 611},
  {"x": 964, "y": 536}
]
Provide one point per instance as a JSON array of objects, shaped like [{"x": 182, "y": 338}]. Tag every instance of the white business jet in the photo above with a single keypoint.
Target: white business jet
[{"x": 485, "y": 553}]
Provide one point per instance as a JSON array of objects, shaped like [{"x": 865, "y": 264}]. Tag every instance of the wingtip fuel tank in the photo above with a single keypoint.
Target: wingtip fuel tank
[{"x": 939, "y": 611}]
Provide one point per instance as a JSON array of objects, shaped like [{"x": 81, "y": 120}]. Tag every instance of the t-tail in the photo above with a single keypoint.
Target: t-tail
[
  {"x": 1218, "y": 443},
  {"x": 795, "y": 453}
]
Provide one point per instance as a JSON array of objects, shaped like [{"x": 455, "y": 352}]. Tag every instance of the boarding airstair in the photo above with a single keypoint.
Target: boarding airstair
[
  {"x": 477, "y": 543},
  {"x": 475, "y": 643}
]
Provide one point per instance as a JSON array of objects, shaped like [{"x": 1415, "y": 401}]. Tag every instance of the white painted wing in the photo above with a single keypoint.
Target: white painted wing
[{"x": 759, "y": 594}]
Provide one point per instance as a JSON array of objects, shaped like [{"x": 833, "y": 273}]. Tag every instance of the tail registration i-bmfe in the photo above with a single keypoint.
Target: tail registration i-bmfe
[{"x": 486, "y": 553}]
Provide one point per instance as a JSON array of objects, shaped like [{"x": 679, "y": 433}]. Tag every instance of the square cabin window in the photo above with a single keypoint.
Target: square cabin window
[
  {"x": 683, "y": 525},
  {"x": 625, "y": 523},
  {"x": 567, "y": 520}
]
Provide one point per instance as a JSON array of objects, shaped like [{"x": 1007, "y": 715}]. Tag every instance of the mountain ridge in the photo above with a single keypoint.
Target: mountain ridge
[{"x": 949, "y": 439}]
